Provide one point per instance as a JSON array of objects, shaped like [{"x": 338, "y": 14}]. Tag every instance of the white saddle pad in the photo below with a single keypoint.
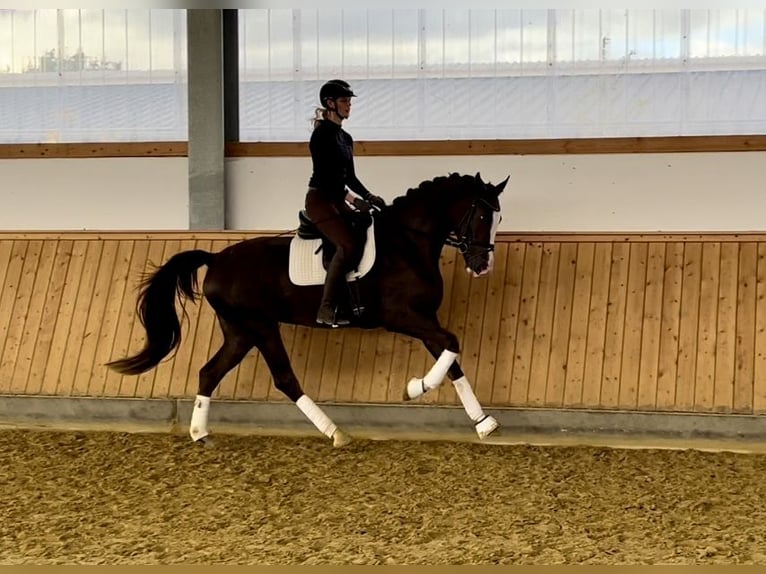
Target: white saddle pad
[{"x": 306, "y": 268}]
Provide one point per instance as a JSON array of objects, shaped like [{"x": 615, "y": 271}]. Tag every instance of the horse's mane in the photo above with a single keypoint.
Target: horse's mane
[{"x": 428, "y": 189}]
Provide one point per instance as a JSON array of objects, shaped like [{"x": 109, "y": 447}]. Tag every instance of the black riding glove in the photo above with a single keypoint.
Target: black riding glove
[
  {"x": 376, "y": 200},
  {"x": 362, "y": 205}
]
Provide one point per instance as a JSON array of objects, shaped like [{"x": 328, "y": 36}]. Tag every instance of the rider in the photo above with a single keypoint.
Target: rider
[{"x": 332, "y": 155}]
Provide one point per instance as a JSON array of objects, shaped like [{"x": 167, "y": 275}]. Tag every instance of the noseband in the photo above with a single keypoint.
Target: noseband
[{"x": 462, "y": 238}]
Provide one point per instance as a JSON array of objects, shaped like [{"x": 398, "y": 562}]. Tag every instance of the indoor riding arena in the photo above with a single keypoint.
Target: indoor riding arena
[{"x": 619, "y": 339}]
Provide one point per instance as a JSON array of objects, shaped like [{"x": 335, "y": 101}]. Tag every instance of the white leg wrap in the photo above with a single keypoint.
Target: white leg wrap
[
  {"x": 485, "y": 424},
  {"x": 198, "y": 427},
  {"x": 434, "y": 377},
  {"x": 469, "y": 400},
  {"x": 316, "y": 415}
]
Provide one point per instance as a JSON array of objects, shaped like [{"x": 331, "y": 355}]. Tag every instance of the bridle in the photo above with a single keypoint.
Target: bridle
[{"x": 462, "y": 237}]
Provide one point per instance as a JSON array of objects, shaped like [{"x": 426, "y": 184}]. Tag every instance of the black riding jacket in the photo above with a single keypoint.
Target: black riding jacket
[{"x": 332, "y": 154}]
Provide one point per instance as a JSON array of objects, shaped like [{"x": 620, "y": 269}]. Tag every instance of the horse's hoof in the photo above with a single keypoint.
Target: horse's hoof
[
  {"x": 205, "y": 441},
  {"x": 486, "y": 427},
  {"x": 340, "y": 438}
]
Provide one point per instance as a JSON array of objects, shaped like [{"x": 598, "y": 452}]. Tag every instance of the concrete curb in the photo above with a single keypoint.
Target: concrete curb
[{"x": 173, "y": 415}]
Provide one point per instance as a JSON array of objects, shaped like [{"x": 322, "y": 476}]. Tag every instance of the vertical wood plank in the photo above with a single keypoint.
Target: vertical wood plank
[
  {"x": 670, "y": 326},
  {"x": 509, "y": 321},
  {"x": 493, "y": 308},
  {"x": 525, "y": 330},
  {"x": 615, "y": 326},
  {"x": 37, "y": 384},
  {"x": 596, "y": 337},
  {"x": 744, "y": 381},
  {"x": 634, "y": 315},
  {"x": 726, "y": 329},
  {"x": 578, "y": 331},
  {"x": 52, "y": 379},
  {"x": 471, "y": 342},
  {"x": 94, "y": 318},
  {"x": 348, "y": 367},
  {"x": 78, "y": 330},
  {"x": 25, "y": 318},
  {"x": 541, "y": 348},
  {"x": 110, "y": 318},
  {"x": 13, "y": 278},
  {"x": 688, "y": 339},
  {"x": 707, "y": 340},
  {"x": 328, "y": 377},
  {"x": 759, "y": 368},
  {"x": 365, "y": 367},
  {"x": 649, "y": 359},
  {"x": 560, "y": 330}
]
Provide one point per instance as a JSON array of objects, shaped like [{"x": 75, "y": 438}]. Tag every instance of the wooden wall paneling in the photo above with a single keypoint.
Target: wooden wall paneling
[
  {"x": 744, "y": 381},
  {"x": 634, "y": 322},
  {"x": 525, "y": 329},
  {"x": 398, "y": 375},
  {"x": 759, "y": 354},
  {"x": 94, "y": 318},
  {"x": 595, "y": 345},
  {"x": 330, "y": 374},
  {"x": 315, "y": 362},
  {"x": 79, "y": 324},
  {"x": 183, "y": 378},
  {"x": 384, "y": 350},
  {"x": 348, "y": 367},
  {"x": 299, "y": 358},
  {"x": 53, "y": 381},
  {"x": 365, "y": 366},
  {"x": 688, "y": 337},
  {"x": 546, "y": 303},
  {"x": 509, "y": 322},
  {"x": 129, "y": 384},
  {"x": 726, "y": 328},
  {"x": 490, "y": 332},
  {"x": 670, "y": 325},
  {"x": 578, "y": 331},
  {"x": 8, "y": 297},
  {"x": 36, "y": 384},
  {"x": 649, "y": 359},
  {"x": 126, "y": 316},
  {"x": 471, "y": 342},
  {"x": 111, "y": 317},
  {"x": 615, "y": 326},
  {"x": 708, "y": 326},
  {"x": 25, "y": 322},
  {"x": 562, "y": 324},
  {"x": 6, "y": 249}
]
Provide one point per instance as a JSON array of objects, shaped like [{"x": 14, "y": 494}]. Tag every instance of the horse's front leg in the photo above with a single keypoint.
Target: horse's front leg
[{"x": 444, "y": 347}]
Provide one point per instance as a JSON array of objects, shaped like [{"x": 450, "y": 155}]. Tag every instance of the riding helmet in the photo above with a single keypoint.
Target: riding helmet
[{"x": 335, "y": 89}]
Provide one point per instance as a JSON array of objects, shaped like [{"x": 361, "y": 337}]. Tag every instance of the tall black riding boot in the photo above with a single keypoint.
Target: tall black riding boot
[{"x": 326, "y": 314}]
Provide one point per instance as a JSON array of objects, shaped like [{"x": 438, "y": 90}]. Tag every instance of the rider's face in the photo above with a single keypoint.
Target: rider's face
[{"x": 343, "y": 107}]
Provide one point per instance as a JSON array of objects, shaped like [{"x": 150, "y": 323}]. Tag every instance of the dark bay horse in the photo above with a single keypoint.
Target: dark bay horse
[{"x": 248, "y": 286}]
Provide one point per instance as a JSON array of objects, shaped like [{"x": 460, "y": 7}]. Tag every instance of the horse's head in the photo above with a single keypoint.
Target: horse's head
[{"x": 476, "y": 216}]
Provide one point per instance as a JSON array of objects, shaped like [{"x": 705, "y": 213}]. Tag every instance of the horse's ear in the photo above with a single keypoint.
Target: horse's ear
[
  {"x": 501, "y": 186},
  {"x": 478, "y": 177}
]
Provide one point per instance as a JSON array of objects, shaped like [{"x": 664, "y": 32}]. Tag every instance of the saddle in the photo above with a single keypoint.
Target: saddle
[{"x": 311, "y": 253}]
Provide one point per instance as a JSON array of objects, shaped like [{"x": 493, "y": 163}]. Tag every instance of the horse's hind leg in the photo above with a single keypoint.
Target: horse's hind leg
[
  {"x": 269, "y": 342},
  {"x": 236, "y": 344}
]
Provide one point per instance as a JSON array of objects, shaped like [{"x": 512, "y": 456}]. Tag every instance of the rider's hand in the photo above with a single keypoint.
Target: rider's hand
[
  {"x": 376, "y": 201},
  {"x": 361, "y": 205}
]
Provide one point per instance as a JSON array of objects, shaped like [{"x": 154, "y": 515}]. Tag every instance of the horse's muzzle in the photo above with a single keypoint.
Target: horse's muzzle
[{"x": 479, "y": 263}]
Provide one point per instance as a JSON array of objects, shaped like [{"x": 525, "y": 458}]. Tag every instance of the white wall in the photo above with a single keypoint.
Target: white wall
[
  {"x": 622, "y": 192},
  {"x": 578, "y": 193},
  {"x": 94, "y": 194}
]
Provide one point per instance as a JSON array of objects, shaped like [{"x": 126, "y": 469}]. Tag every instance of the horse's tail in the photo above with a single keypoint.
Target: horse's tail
[{"x": 157, "y": 310}]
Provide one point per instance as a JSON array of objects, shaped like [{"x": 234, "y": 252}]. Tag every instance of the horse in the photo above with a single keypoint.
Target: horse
[{"x": 248, "y": 286}]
